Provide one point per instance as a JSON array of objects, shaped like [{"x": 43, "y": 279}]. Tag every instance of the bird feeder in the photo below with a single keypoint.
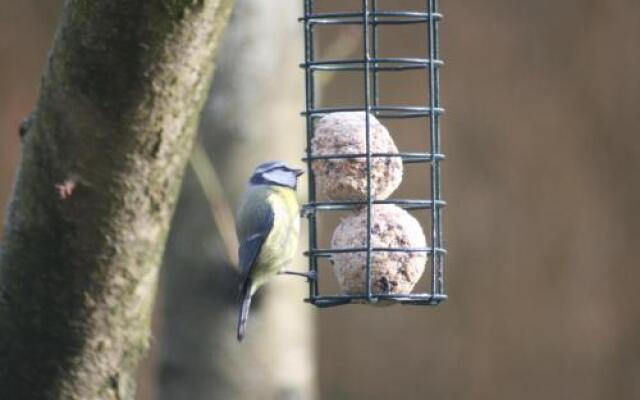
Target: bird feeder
[{"x": 380, "y": 250}]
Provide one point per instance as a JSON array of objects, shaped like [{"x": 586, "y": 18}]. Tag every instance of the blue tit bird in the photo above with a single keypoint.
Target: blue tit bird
[{"x": 268, "y": 225}]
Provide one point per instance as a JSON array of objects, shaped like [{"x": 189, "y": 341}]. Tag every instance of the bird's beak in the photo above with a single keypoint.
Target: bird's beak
[{"x": 298, "y": 172}]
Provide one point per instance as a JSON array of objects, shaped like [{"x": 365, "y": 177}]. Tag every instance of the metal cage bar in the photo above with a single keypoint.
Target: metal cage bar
[
  {"x": 370, "y": 18},
  {"x": 367, "y": 107},
  {"x": 310, "y": 105},
  {"x": 378, "y": 18}
]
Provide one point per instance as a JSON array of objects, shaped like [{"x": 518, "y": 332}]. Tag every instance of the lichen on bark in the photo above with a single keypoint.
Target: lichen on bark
[{"x": 101, "y": 166}]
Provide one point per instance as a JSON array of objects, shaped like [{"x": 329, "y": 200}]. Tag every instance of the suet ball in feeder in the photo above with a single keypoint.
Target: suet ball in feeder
[
  {"x": 346, "y": 178},
  {"x": 393, "y": 272}
]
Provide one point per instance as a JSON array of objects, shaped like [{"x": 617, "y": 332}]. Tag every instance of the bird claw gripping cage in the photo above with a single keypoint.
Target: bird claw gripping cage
[{"x": 370, "y": 18}]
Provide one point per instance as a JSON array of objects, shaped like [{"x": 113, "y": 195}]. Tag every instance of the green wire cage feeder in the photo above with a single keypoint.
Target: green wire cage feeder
[{"x": 379, "y": 251}]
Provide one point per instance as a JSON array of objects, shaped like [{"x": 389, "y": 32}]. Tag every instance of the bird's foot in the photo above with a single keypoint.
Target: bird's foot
[{"x": 308, "y": 275}]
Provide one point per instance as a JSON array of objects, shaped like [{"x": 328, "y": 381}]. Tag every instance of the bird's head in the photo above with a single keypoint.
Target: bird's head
[{"x": 276, "y": 173}]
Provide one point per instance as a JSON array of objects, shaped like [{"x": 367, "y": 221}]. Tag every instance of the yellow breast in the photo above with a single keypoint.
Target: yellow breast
[{"x": 282, "y": 243}]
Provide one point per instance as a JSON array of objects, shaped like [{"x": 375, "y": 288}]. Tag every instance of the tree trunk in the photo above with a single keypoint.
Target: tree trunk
[
  {"x": 252, "y": 116},
  {"x": 102, "y": 159}
]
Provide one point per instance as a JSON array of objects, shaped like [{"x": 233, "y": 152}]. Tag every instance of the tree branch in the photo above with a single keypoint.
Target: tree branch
[
  {"x": 102, "y": 161},
  {"x": 221, "y": 213}
]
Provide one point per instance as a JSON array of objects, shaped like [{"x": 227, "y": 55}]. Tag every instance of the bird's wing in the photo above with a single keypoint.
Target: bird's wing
[{"x": 251, "y": 245}]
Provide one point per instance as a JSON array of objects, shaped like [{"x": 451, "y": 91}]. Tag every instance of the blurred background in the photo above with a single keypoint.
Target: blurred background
[{"x": 542, "y": 185}]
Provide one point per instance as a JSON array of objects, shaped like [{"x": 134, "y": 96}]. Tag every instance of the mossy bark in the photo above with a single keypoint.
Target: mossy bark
[{"x": 103, "y": 155}]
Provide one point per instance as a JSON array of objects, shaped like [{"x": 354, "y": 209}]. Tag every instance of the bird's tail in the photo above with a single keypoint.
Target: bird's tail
[{"x": 244, "y": 309}]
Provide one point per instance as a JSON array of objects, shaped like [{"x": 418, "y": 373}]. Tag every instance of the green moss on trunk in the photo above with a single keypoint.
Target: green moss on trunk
[{"x": 98, "y": 181}]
